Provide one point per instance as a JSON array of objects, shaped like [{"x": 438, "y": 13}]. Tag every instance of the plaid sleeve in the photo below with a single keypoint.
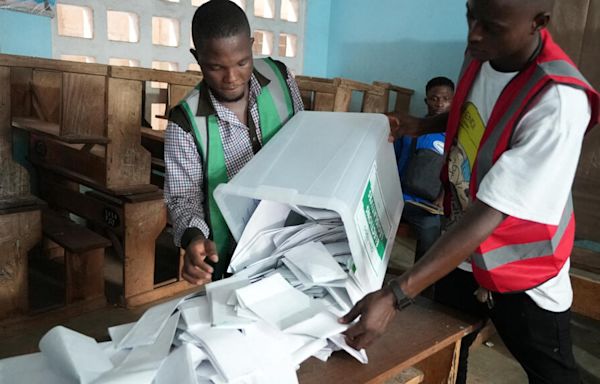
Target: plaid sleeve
[
  {"x": 183, "y": 183},
  {"x": 296, "y": 97}
]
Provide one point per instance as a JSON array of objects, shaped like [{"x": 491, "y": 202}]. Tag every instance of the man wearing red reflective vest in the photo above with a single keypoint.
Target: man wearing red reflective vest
[{"x": 513, "y": 140}]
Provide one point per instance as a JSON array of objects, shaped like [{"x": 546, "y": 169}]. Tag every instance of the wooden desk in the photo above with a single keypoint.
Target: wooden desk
[{"x": 423, "y": 335}]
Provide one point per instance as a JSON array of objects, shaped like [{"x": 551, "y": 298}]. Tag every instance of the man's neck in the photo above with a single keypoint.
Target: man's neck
[{"x": 521, "y": 59}]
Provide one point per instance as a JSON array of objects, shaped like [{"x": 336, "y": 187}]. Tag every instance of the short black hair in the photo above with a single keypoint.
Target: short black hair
[
  {"x": 217, "y": 19},
  {"x": 440, "y": 81}
]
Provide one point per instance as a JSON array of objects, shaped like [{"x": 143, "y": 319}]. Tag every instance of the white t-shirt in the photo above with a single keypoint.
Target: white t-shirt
[{"x": 532, "y": 180}]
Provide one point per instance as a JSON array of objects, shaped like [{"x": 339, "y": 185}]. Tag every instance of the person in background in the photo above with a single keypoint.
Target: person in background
[
  {"x": 420, "y": 161},
  {"x": 236, "y": 109},
  {"x": 513, "y": 137}
]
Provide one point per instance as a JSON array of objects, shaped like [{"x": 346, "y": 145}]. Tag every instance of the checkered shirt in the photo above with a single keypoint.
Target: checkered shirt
[{"x": 184, "y": 176}]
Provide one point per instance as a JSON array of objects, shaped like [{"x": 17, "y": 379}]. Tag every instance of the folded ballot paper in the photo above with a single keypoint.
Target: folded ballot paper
[{"x": 314, "y": 215}]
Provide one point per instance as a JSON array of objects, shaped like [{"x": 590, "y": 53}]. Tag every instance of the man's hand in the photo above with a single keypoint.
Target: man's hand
[
  {"x": 195, "y": 268},
  {"x": 402, "y": 124},
  {"x": 376, "y": 310}
]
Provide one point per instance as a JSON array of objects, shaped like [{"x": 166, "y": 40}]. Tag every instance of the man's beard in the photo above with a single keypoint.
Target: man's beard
[{"x": 224, "y": 99}]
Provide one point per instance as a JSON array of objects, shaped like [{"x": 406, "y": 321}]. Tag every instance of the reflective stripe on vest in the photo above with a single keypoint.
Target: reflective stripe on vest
[
  {"x": 494, "y": 258},
  {"x": 274, "y": 108},
  {"x": 519, "y": 254}
]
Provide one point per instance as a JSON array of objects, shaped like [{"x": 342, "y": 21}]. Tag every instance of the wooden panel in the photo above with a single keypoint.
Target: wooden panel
[
  {"x": 46, "y": 95},
  {"x": 14, "y": 180},
  {"x": 586, "y": 291},
  {"x": 84, "y": 275},
  {"x": 586, "y": 199},
  {"x": 323, "y": 102},
  {"x": 83, "y": 105},
  {"x": 71, "y": 236},
  {"x": 19, "y": 233},
  {"x": 567, "y": 25},
  {"x": 586, "y": 260},
  {"x": 343, "y": 97},
  {"x": 177, "y": 93},
  {"x": 590, "y": 50},
  {"x": 144, "y": 222},
  {"x": 375, "y": 100},
  {"x": 144, "y": 74},
  {"x": 84, "y": 205},
  {"x": 128, "y": 163},
  {"x": 20, "y": 91},
  {"x": 47, "y": 152},
  {"x": 57, "y": 65}
]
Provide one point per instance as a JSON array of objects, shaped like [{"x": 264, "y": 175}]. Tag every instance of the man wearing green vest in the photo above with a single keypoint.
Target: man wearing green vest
[{"x": 236, "y": 109}]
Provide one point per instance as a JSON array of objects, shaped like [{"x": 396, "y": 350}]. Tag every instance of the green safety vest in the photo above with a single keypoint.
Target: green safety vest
[{"x": 275, "y": 107}]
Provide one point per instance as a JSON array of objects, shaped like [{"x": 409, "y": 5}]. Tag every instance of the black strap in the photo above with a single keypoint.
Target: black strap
[{"x": 256, "y": 146}]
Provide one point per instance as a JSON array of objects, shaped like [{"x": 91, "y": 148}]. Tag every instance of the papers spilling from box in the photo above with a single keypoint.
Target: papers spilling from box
[{"x": 338, "y": 172}]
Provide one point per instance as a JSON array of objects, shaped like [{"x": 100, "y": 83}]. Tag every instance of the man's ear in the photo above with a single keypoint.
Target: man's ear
[
  {"x": 251, "y": 41},
  {"x": 425, "y": 101},
  {"x": 194, "y": 53},
  {"x": 541, "y": 21}
]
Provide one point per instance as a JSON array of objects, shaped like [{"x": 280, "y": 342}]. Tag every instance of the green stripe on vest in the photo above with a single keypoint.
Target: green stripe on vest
[{"x": 210, "y": 147}]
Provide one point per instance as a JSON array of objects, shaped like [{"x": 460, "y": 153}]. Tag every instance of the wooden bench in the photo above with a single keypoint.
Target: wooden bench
[
  {"x": 20, "y": 225},
  {"x": 330, "y": 95},
  {"x": 133, "y": 223},
  {"x": 378, "y": 99},
  {"x": 83, "y": 258}
]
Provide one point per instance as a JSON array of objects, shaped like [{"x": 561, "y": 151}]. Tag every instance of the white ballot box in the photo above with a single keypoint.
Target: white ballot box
[{"x": 340, "y": 162}]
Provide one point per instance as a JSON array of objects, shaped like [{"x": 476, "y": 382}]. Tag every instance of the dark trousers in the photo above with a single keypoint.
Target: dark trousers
[
  {"x": 455, "y": 290},
  {"x": 426, "y": 226},
  {"x": 539, "y": 340}
]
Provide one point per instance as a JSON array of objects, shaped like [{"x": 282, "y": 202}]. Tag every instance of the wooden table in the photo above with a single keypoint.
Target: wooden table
[{"x": 424, "y": 335}]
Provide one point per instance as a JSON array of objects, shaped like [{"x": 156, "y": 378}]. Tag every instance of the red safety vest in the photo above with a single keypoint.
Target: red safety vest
[{"x": 519, "y": 254}]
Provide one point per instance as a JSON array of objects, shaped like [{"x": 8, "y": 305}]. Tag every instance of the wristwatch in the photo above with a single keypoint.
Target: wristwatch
[{"x": 402, "y": 301}]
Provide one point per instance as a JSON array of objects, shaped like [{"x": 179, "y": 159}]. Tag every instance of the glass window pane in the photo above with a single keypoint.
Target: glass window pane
[
  {"x": 78, "y": 58},
  {"x": 165, "y": 31},
  {"x": 287, "y": 45},
  {"x": 75, "y": 21},
  {"x": 264, "y": 8},
  {"x": 263, "y": 42},
  {"x": 289, "y": 10},
  {"x": 123, "y": 26},
  {"x": 124, "y": 62},
  {"x": 198, "y": 3}
]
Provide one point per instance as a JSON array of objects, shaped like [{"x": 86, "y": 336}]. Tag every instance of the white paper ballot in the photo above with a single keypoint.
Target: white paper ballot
[
  {"x": 274, "y": 300},
  {"x": 196, "y": 312},
  {"x": 321, "y": 326},
  {"x": 143, "y": 362},
  {"x": 180, "y": 366},
  {"x": 118, "y": 332},
  {"x": 218, "y": 293},
  {"x": 74, "y": 355},
  {"x": 316, "y": 262},
  {"x": 340, "y": 341},
  {"x": 149, "y": 326},
  {"x": 31, "y": 369},
  {"x": 229, "y": 351}
]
